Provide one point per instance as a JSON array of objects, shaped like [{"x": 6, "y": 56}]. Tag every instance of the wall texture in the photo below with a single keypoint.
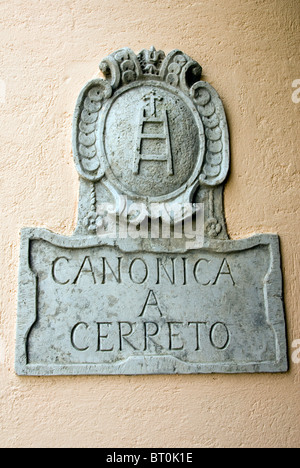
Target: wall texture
[{"x": 249, "y": 50}]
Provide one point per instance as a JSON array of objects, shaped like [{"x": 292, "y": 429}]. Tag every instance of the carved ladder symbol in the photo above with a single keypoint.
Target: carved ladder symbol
[{"x": 152, "y": 118}]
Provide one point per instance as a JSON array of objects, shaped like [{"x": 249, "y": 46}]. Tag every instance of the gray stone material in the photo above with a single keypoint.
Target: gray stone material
[
  {"x": 91, "y": 307},
  {"x": 97, "y": 303}
]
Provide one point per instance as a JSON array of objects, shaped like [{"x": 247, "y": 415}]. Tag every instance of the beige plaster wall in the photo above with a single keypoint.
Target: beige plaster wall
[{"x": 249, "y": 50}]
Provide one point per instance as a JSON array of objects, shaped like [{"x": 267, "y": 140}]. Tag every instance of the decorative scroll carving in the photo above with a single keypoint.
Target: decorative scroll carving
[
  {"x": 180, "y": 70},
  {"x": 121, "y": 68},
  {"x": 85, "y": 121},
  {"x": 212, "y": 113},
  {"x": 212, "y": 225},
  {"x": 93, "y": 220}
]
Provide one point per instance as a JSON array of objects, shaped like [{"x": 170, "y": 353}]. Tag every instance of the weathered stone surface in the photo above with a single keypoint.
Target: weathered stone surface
[
  {"x": 94, "y": 308},
  {"x": 171, "y": 131},
  {"x": 97, "y": 303}
]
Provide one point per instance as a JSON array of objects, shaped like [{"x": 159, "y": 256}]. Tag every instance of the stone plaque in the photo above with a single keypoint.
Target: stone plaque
[{"x": 149, "y": 283}]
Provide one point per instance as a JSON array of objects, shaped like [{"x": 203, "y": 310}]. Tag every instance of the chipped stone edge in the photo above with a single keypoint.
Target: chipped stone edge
[{"x": 27, "y": 307}]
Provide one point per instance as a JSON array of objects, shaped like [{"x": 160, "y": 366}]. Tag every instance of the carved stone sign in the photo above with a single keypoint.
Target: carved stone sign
[{"x": 149, "y": 283}]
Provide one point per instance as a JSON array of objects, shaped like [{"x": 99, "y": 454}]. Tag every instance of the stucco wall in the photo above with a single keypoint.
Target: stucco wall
[{"x": 249, "y": 50}]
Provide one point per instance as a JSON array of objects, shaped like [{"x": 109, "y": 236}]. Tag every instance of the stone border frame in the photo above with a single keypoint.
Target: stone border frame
[{"x": 27, "y": 311}]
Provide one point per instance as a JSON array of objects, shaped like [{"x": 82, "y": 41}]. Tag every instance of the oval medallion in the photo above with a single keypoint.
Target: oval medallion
[{"x": 152, "y": 140}]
